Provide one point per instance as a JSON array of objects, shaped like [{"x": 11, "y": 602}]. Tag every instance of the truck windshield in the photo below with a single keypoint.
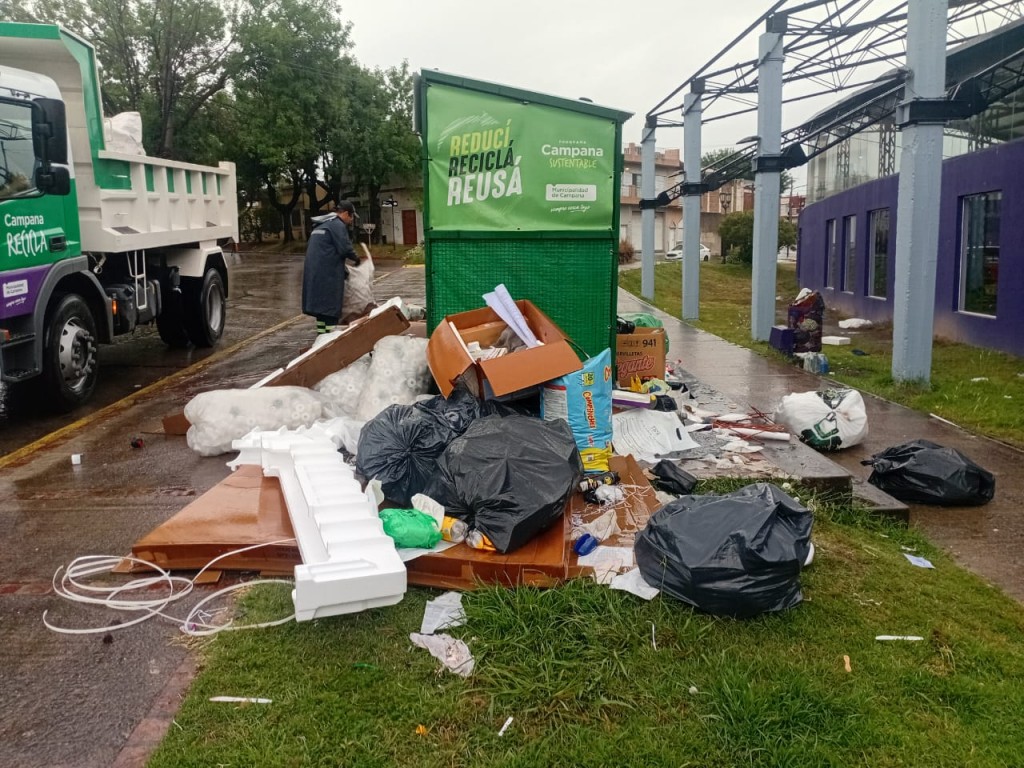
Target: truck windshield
[{"x": 17, "y": 158}]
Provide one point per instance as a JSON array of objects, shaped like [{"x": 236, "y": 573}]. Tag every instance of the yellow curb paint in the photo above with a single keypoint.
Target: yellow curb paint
[{"x": 54, "y": 437}]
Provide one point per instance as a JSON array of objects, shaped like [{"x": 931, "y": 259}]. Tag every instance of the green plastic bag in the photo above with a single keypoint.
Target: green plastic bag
[
  {"x": 645, "y": 320},
  {"x": 410, "y": 528}
]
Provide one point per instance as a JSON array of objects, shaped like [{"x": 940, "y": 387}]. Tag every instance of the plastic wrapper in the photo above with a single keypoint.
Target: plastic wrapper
[
  {"x": 398, "y": 373},
  {"x": 828, "y": 420},
  {"x": 584, "y": 400},
  {"x": 928, "y": 473},
  {"x": 735, "y": 555},
  {"x": 342, "y": 389},
  {"x": 219, "y": 417},
  {"x": 400, "y": 447},
  {"x": 510, "y": 478},
  {"x": 358, "y": 299},
  {"x": 671, "y": 478}
]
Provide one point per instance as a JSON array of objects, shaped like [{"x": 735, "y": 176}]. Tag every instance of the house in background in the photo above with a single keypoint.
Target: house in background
[{"x": 668, "y": 220}]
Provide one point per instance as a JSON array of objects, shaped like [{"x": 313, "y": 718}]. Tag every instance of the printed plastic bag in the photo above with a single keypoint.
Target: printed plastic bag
[
  {"x": 584, "y": 400},
  {"x": 343, "y": 388},
  {"x": 925, "y": 472},
  {"x": 219, "y": 417},
  {"x": 734, "y": 555},
  {"x": 510, "y": 478},
  {"x": 398, "y": 374},
  {"x": 828, "y": 420}
]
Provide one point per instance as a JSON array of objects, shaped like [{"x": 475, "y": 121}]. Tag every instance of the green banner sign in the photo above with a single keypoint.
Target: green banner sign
[{"x": 496, "y": 164}]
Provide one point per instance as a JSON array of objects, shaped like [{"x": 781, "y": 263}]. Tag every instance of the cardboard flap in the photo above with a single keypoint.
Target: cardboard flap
[
  {"x": 511, "y": 373},
  {"x": 446, "y": 357}
]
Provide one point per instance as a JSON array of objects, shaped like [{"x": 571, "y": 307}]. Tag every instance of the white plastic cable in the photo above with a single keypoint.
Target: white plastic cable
[{"x": 72, "y": 588}]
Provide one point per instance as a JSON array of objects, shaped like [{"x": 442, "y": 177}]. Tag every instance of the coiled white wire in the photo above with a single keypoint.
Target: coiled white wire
[{"x": 196, "y": 623}]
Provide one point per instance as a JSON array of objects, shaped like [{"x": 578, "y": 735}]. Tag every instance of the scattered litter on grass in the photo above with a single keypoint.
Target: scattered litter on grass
[
  {"x": 920, "y": 562},
  {"x": 633, "y": 582},
  {"x": 605, "y": 526},
  {"x": 454, "y": 654},
  {"x": 422, "y": 730},
  {"x": 855, "y": 322},
  {"x": 979, "y": 378},
  {"x": 607, "y": 562},
  {"x": 846, "y": 664},
  {"x": 443, "y": 612},
  {"x": 240, "y": 699},
  {"x": 506, "y": 725},
  {"x": 911, "y": 638},
  {"x": 693, "y": 690},
  {"x": 654, "y": 643}
]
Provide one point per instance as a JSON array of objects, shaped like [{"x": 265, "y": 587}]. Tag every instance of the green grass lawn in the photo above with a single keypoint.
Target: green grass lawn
[
  {"x": 991, "y": 407},
  {"x": 577, "y": 669}
]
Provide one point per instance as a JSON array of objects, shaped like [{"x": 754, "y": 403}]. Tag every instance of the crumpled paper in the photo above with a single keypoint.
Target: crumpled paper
[{"x": 453, "y": 654}]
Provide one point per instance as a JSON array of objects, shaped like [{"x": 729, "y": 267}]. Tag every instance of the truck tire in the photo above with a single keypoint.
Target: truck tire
[
  {"x": 205, "y": 308},
  {"x": 170, "y": 323},
  {"x": 70, "y": 366}
]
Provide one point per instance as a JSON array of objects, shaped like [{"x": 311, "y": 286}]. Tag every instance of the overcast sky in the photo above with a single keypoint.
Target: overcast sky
[{"x": 605, "y": 50}]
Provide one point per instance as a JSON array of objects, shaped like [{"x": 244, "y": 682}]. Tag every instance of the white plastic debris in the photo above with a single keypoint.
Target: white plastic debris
[
  {"x": 607, "y": 562},
  {"x": 633, "y": 582},
  {"x": 343, "y": 388},
  {"x": 605, "y": 526},
  {"x": 76, "y": 459},
  {"x": 453, "y": 654},
  {"x": 920, "y": 562},
  {"x": 241, "y": 699},
  {"x": 855, "y": 322},
  {"x": 443, "y": 612},
  {"x": 910, "y": 638},
  {"x": 835, "y": 341},
  {"x": 506, "y": 725},
  {"x": 398, "y": 373}
]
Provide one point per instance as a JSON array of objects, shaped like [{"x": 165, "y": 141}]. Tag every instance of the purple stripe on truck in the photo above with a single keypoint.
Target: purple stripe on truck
[{"x": 19, "y": 290}]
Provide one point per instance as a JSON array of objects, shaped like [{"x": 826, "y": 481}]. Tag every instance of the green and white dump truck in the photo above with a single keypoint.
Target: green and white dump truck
[{"x": 95, "y": 241}]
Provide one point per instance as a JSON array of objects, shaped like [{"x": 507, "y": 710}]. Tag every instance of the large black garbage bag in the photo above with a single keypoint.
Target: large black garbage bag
[
  {"x": 400, "y": 446},
  {"x": 929, "y": 473},
  {"x": 510, "y": 478},
  {"x": 671, "y": 478},
  {"x": 734, "y": 555}
]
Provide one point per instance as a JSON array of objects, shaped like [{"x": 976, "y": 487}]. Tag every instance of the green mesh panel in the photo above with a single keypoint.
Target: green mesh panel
[{"x": 572, "y": 281}]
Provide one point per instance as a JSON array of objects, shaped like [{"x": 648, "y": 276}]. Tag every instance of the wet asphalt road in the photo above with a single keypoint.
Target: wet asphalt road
[{"x": 85, "y": 700}]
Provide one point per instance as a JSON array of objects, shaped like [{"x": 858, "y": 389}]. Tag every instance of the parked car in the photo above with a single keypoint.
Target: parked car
[{"x": 676, "y": 253}]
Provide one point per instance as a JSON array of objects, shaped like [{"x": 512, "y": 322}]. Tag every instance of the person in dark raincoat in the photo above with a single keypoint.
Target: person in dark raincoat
[{"x": 323, "y": 273}]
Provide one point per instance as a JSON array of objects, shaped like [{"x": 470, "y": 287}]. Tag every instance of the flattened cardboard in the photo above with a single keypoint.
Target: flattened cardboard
[
  {"x": 313, "y": 366},
  {"x": 641, "y": 353},
  {"x": 450, "y": 362}
]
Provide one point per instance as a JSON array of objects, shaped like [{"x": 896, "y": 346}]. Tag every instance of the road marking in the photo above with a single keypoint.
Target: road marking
[{"x": 25, "y": 451}]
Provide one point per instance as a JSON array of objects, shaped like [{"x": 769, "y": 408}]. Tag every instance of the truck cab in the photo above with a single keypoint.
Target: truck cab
[{"x": 95, "y": 240}]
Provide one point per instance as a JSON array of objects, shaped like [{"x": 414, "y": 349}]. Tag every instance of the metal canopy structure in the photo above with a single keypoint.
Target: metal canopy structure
[{"x": 895, "y": 52}]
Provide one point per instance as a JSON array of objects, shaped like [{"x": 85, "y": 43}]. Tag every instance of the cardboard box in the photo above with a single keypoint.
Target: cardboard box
[
  {"x": 641, "y": 353},
  {"x": 451, "y": 364}
]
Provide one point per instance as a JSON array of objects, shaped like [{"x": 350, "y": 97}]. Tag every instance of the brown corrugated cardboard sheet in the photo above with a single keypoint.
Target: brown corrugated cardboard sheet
[
  {"x": 247, "y": 508},
  {"x": 641, "y": 354}
]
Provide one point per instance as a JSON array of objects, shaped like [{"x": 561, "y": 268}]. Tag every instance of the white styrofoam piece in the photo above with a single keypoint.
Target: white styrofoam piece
[
  {"x": 348, "y": 563},
  {"x": 835, "y": 341}
]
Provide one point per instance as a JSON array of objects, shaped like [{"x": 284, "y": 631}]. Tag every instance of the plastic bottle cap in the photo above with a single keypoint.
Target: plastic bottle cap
[{"x": 585, "y": 544}]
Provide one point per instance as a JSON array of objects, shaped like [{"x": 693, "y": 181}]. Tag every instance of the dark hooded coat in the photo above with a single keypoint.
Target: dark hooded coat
[{"x": 323, "y": 274}]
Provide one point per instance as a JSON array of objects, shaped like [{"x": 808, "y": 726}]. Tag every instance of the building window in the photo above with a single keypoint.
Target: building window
[
  {"x": 850, "y": 254},
  {"x": 979, "y": 253},
  {"x": 832, "y": 262},
  {"x": 878, "y": 262}
]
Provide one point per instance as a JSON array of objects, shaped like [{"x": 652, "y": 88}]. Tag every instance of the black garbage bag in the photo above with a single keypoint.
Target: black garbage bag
[
  {"x": 510, "y": 478},
  {"x": 400, "y": 446},
  {"x": 735, "y": 555},
  {"x": 928, "y": 473},
  {"x": 671, "y": 478}
]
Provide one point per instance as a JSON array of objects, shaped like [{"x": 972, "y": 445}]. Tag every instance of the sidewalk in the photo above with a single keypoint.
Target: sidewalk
[{"x": 987, "y": 540}]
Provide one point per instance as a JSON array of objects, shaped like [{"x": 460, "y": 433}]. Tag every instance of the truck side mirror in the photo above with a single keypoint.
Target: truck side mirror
[
  {"x": 50, "y": 131},
  {"x": 55, "y": 181}
]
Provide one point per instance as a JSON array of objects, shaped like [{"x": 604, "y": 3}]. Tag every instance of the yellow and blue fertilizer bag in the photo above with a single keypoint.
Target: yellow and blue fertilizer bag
[{"x": 584, "y": 400}]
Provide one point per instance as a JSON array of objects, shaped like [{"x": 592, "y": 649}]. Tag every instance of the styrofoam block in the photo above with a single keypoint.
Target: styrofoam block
[{"x": 835, "y": 341}]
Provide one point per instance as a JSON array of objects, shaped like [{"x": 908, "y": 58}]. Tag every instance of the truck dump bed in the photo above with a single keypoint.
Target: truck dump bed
[{"x": 125, "y": 202}]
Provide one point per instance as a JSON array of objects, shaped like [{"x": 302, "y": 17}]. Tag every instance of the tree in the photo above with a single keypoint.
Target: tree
[
  {"x": 719, "y": 158},
  {"x": 737, "y": 233}
]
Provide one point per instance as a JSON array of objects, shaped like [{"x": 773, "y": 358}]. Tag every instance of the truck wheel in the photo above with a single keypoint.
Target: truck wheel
[
  {"x": 70, "y": 367},
  {"x": 205, "y": 308},
  {"x": 170, "y": 323}
]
